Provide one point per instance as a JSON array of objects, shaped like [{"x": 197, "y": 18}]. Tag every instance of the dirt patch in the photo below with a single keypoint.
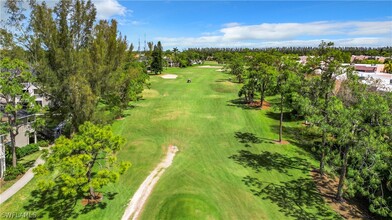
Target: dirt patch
[
  {"x": 266, "y": 105},
  {"x": 256, "y": 104},
  {"x": 90, "y": 201},
  {"x": 220, "y": 70},
  {"x": 169, "y": 76},
  {"x": 348, "y": 209},
  {"x": 283, "y": 142}
]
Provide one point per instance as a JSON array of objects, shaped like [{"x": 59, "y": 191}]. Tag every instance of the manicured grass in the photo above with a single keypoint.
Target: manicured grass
[
  {"x": 227, "y": 168},
  {"x": 27, "y": 161},
  {"x": 211, "y": 63}
]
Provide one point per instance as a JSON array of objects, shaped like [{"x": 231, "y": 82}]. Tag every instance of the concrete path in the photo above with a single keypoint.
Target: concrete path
[
  {"x": 140, "y": 197},
  {"x": 21, "y": 182}
]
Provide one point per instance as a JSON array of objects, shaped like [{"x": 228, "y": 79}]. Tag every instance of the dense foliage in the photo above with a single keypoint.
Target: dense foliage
[
  {"x": 26, "y": 150},
  {"x": 12, "y": 172},
  {"x": 14, "y": 74},
  {"x": 76, "y": 159},
  {"x": 350, "y": 122},
  {"x": 78, "y": 62}
]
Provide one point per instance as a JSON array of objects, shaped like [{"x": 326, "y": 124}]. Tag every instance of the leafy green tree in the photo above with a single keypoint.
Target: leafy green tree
[
  {"x": 157, "y": 59},
  {"x": 150, "y": 45},
  {"x": 80, "y": 62},
  {"x": 125, "y": 86},
  {"x": 388, "y": 66},
  {"x": 15, "y": 75},
  {"x": 264, "y": 72},
  {"x": 249, "y": 88},
  {"x": 317, "y": 90},
  {"x": 237, "y": 68},
  {"x": 85, "y": 163},
  {"x": 368, "y": 157},
  {"x": 287, "y": 84},
  {"x": 61, "y": 38}
]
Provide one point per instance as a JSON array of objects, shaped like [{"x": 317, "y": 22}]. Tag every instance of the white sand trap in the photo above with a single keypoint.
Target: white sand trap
[
  {"x": 220, "y": 70},
  {"x": 140, "y": 197},
  {"x": 211, "y": 67},
  {"x": 169, "y": 76}
]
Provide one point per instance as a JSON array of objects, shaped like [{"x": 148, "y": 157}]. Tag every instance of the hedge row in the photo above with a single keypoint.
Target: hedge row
[
  {"x": 28, "y": 149},
  {"x": 12, "y": 172}
]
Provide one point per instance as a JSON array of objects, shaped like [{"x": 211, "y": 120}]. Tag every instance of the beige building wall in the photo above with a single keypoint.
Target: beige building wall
[{"x": 22, "y": 139}]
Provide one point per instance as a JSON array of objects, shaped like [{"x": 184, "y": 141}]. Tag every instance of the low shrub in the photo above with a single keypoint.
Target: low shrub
[
  {"x": 26, "y": 150},
  {"x": 12, "y": 172},
  {"x": 43, "y": 143}
]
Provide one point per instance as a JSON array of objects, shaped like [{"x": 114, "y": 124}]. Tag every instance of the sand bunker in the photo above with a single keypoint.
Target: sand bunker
[{"x": 169, "y": 76}]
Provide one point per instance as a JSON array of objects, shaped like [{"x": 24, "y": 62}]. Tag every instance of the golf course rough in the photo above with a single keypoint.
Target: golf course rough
[{"x": 220, "y": 173}]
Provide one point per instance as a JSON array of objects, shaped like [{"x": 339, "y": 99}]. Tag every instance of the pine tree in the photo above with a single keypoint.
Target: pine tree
[{"x": 76, "y": 158}]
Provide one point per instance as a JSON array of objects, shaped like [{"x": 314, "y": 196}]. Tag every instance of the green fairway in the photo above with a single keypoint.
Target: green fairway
[{"x": 227, "y": 166}]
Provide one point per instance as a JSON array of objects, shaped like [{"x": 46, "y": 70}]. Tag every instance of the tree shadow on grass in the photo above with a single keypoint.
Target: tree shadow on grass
[
  {"x": 27, "y": 165},
  {"x": 287, "y": 116},
  {"x": 248, "y": 138},
  {"x": 298, "y": 198},
  {"x": 241, "y": 103},
  {"x": 271, "y": 161},
  {"x": 57, "y": 206},
  {"x": 223, "y": 80},
  {"x": 299, "y": 137}
]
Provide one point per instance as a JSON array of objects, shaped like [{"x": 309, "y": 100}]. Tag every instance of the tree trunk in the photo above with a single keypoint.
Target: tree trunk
[
  {"x": 91, "y": 190},
  {"x": 281, "y": 119},
  {"x": 13, "y": 134},
  {"x": 342, "y": 178},
  {"x": 324, "y": 138},
  {"x": 92, "y": 193},
  {"x": 89, "y": 172},
  {"x": 13, "y": 147},
  {"x": 262, "y": 95},
  {"x": 322, "y": 159},
  {"x": 2, "y": 159}
]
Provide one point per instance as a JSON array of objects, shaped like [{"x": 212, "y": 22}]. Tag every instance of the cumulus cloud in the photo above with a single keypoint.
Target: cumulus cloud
[
  {"x": 216, "y": 42},
  {"x": 109, "y": 8},
  {"x": 351, "y": 33},
  {"x": 271, "y": 31}
]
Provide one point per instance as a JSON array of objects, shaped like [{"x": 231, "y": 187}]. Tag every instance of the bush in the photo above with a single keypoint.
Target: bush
[
  {"x": 43, "y": 143},
  {"x": 12, "y": 172},
  {"x": 26, "y": 150}
]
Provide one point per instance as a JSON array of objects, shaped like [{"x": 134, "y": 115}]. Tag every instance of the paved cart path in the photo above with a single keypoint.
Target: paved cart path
[{"x": 20, "y": 183}]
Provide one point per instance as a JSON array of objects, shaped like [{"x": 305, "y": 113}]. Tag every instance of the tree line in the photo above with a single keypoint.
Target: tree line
[
  {"x": 87, "y": 70},
  {"x": 301, "y": 51},
  {"x": 349, "y": 122}
]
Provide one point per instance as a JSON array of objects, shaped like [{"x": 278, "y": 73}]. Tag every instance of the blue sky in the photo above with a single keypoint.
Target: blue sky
[{"x": 185, "y": 24}]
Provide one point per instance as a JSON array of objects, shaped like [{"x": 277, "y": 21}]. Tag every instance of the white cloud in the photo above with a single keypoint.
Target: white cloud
[
  {"x": 128, "y": 22},
  {"x": 271, "y": 31},
  {"x": 352, "y": 33},
  {"x": 216, "y": 42},
  {"x": 109, "y": 8},
  {"x": 232, "y": 24}
]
